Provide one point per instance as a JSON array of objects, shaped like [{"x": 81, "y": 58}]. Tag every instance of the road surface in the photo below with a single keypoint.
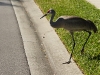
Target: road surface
[{"x": 12, "y": 55}]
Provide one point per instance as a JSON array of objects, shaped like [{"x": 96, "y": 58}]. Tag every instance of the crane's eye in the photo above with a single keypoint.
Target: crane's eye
[{"x": 48, "y": 11}]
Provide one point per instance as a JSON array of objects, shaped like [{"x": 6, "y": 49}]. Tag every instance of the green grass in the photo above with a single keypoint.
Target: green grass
[{"x": 89, "y": 62}]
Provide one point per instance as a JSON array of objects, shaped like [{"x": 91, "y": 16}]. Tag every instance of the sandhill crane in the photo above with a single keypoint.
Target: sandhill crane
[{"x": 72, "y": 24}]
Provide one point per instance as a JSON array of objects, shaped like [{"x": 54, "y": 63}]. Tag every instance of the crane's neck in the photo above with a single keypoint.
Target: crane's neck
[{"x": 51, "y": 20}]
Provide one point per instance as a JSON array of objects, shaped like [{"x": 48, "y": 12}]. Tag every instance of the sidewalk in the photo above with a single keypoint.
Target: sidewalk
[{"x": 96, "y": 3}]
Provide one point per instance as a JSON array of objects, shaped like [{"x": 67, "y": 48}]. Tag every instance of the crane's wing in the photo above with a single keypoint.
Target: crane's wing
[{"x": 73, "y": 23}]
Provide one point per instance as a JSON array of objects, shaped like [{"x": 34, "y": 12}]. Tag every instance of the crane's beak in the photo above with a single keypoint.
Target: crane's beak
[{"x": 43, "y": 16}]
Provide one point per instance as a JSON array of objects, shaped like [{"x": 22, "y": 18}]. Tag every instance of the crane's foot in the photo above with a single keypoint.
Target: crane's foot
[{"x": 67, "y": 62}]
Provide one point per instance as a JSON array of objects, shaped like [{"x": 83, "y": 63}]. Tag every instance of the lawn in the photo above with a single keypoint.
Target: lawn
[{"x": 89, "y": 62}]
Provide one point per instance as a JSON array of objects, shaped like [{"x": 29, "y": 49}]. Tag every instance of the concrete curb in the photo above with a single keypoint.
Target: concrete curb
[
  {"x": 54, "y": 48},
  {"x": 95, "y": 3}
]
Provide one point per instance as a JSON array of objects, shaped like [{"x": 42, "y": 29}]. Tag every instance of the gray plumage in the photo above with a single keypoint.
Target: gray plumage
[{"x": 72, "y": 24}]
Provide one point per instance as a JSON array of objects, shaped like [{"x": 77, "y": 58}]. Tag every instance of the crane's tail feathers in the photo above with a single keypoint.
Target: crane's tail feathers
[
  {"x": 43, "y": 16},
  {"x": 93, "y": 27}
]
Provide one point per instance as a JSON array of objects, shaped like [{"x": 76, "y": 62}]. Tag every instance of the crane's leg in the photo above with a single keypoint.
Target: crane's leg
[
  {"x": 85, "y": 42},
  {"x": 72, "y": 49}
]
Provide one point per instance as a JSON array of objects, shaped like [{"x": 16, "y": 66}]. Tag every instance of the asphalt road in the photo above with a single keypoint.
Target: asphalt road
[{"x": 13, "y": 60}]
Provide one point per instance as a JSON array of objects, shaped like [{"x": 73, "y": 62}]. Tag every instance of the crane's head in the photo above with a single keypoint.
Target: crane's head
[{"x": 50, "y": 11}]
